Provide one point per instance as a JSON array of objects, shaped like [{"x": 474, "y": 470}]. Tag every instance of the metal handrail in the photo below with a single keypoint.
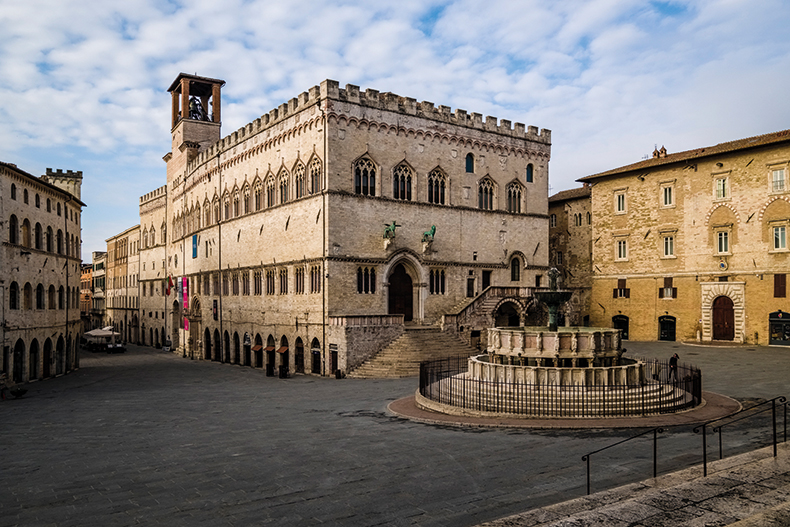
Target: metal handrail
[
  {"x": 781, "y": 399},
  {"x": 656, "y": 431}
]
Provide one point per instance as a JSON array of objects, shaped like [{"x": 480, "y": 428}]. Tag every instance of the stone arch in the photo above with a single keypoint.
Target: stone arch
[
  {"x": 718, "y": 206},
  {"x": 236, "y": 348},
  {"x": 207, "y": 344},
  {"x": 735, "y": 291},
  {"x": 217, "y": 356},
  {"x": 33, "y": 361},
  {"x": 47, "y": 359},
  {"x": 18, "y": 370},
  {"x": 299, "y": 355},
  {"x": 315, "y": 356},
  {"x": 769, "y": 203},
  {"x": 509, "y": 312},
  {"x": 404, "y": 272}
]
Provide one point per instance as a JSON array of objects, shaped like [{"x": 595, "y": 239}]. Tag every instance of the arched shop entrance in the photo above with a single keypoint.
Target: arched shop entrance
[
  {"x": 621, "y": 322},
  {"x": 666, "y": 328}
]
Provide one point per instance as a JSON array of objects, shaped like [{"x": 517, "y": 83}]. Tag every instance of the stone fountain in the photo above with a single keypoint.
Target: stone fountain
[{"x": 579, "y": 370}]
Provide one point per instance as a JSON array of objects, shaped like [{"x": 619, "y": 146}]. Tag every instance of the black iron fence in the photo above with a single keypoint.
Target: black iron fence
[{"x": 661, "y": 390}]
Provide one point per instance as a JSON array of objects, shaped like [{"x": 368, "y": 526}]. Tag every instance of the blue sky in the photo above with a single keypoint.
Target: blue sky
[{"x": 84, "y": 82}]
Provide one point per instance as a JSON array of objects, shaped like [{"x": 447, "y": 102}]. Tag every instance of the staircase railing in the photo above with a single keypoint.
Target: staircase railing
[
  {"x": 655, "y": 432},
  {"x": 781, "y": 400},
  {"x": 453, "y": 321}
]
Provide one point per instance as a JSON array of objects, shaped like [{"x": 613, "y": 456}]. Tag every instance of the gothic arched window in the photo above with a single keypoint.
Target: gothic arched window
[
  {"x": 365, "y": 177},
  {"x": 437, "y": 183},
  {"x": 485, "y": 195},
  {"x": 401, "y": 182}
]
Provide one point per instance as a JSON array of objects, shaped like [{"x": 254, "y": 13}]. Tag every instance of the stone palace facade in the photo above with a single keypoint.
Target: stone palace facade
[{"x": 311, "y": 236}]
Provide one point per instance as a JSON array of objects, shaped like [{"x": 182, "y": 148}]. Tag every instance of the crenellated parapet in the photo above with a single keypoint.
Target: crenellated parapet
[
  {"x": 154, "y": 194},
  {"x": 408, "y": 106},
  {"x": 236, "y": 145}
]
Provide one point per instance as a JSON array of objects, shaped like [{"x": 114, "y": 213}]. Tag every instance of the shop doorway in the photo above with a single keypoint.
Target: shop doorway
[
  {"x": 666, "y": 328},
  {"x": 621, "y": 322}
]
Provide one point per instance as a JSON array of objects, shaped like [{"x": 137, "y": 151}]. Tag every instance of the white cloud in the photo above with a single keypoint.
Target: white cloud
[{"x": 85, "y": 82}]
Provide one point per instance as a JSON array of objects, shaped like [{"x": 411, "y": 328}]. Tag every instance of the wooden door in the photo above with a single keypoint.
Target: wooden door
[{"x": 723, "y": 319}]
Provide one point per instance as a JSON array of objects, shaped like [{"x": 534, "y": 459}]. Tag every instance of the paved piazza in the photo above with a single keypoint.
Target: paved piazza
[{"x": 154, "y": 439}]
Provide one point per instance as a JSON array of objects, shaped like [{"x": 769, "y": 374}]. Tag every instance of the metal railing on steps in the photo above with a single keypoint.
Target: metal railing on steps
[{"x": 781, "y": 400}]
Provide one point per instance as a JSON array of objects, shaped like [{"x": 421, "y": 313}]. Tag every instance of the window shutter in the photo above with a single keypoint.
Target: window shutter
[
  {"x": 780, "y": 284},
  {"x": 668, "y": 282},
  {"x": 621, "y": 283},
  {"x": 614, "y": 293},
  {"x": 674, "y": 292},
  {"x": 628, "y": 293},
  {"x": 660, "y": 292}
]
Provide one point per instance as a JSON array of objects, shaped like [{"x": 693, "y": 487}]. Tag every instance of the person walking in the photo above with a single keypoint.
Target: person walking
[{"x": 673, "y": 367}]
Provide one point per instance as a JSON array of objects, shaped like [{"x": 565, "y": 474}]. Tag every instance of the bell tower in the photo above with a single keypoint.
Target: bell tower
[{"x": 195, "y": 120}]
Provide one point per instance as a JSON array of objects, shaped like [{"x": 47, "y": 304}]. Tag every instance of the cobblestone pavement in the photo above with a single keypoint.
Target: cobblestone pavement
[{"x": 151, "y": 438}]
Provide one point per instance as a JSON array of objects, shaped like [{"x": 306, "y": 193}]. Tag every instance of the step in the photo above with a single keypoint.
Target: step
[{"x": 748, "y": 490}]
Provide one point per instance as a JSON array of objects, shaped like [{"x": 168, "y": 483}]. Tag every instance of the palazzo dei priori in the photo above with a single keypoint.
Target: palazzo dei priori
[{"x": 317, "y": 234}]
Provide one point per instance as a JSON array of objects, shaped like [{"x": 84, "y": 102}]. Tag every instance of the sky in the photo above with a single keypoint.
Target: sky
[{"x": 83, "y": 83}]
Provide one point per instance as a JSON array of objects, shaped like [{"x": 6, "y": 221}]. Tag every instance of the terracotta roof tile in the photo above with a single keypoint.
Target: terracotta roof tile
[
  {"x": 573, "y": 193},
  {"x": 697, "y": 153}
]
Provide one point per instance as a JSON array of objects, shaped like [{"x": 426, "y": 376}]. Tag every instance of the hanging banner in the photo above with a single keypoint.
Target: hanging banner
[
  {"x": 186, "y": 324},
  {"x": 185, "y": 284},
  {"x": 194, "y": 245}
]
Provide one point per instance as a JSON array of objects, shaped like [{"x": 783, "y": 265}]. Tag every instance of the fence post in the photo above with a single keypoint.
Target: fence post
[
  {"x": 655, "y": 452},
  {"x": 773, "y": 415},
  {"x": 588, "y": 474},
  {"x": 704, "y": 452}
]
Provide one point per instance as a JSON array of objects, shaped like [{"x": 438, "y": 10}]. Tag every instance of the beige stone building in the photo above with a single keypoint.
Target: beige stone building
[
  {"x": 40, "y": 281},
  {"x": 98, "y": 288},
  {"x": 122, "y": 295},
  {"x": 311, "y": 237},
  {"x": 693, "y": 245},
  {"x": 570, "y": 242},
  {"x": 153, "y": 272}
]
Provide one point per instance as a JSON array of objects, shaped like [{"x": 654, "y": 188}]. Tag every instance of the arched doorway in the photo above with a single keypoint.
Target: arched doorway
[
  {"x": 401, "y": 293},
  {"x": 195, "y": 326},
  {"x": 217, "y": 346},
  {"x": 258, "y": 350},
  {"x": 621, "y": 322},
  {"x": 19, "y": 361},
  {"x": 666, "y": 328},
  {"x": 315, "y": 353},
  {"x": 151, "y": 335},
  {"x": 47, "y": 366},
  {"x": 207, "y": 344},
  {"x": 285, "y": 358},
  {"x": 507, "y": 315},
  {"x": 236, "y": 348},
  {"x": 723, "y": 319},
  {"x": 59, "y": 349},
  {"x": 32, "y": 370},
  {"x": 176, "y": 326},
  {"x": 270, "y": 356},
  {"x": 226, "y": 348},
  {"x": 299, "y": 356}
]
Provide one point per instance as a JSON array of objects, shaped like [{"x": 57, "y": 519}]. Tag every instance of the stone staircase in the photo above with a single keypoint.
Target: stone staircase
[
  {"x": 747, "y": 490},
  {"x": 403, "y": 356}
]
